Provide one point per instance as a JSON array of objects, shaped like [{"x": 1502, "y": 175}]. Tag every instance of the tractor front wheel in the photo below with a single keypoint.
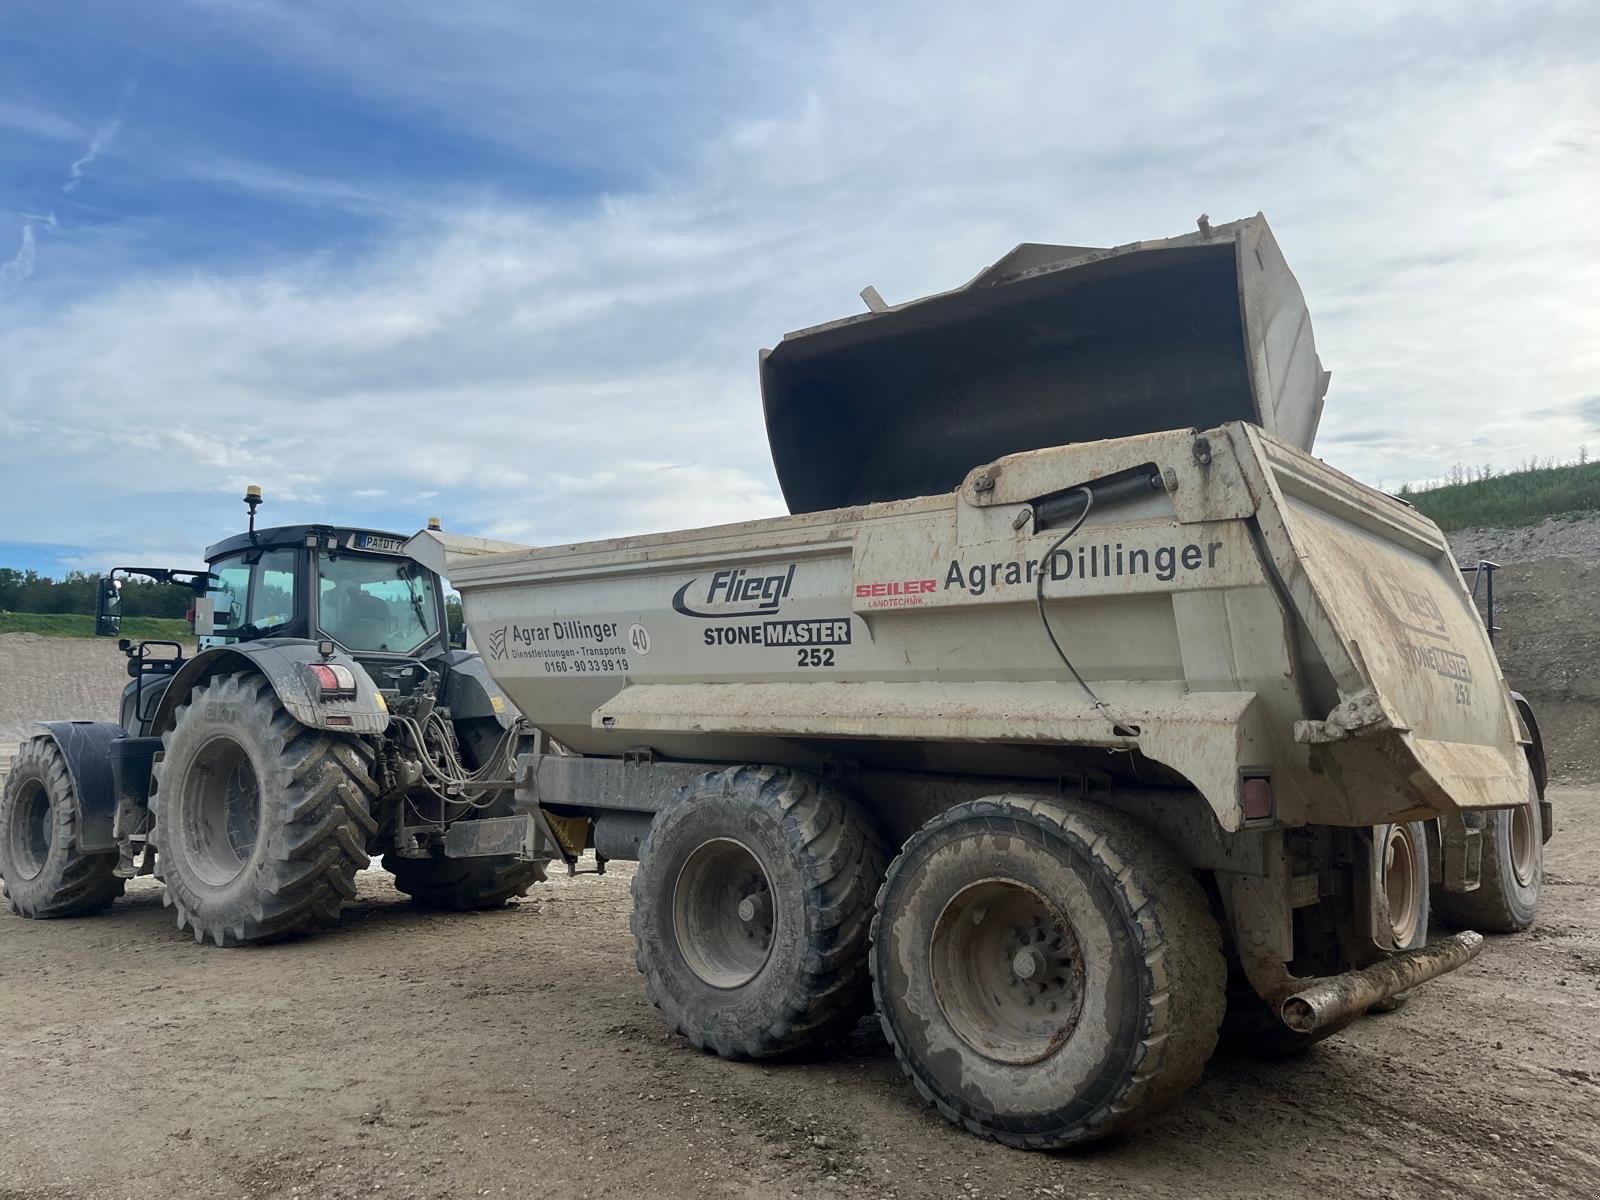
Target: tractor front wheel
[
  {"x": 260, "y": 823},
  {"x": 45, "y": 873}
]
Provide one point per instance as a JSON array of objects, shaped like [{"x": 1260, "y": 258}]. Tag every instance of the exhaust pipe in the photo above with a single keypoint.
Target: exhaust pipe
[{"x": 1325, "y": 1001}]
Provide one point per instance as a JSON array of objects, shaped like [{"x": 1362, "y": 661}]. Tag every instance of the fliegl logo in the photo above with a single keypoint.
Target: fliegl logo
[
  {"x": 734, "y": 592},
  {"x": 497, "y": 643}
]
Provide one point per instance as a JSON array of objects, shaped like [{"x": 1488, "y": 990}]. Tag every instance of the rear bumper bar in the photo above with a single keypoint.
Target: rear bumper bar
[{"x": 1322, "y": 1002}]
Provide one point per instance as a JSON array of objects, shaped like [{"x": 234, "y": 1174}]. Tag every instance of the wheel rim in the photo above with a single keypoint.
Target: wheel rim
[
  {"x": 32, "y": 830},
  {"x": 221, "y": 812},
  {"x": 723, "y": 914},
  {"x": 1402, "y": 884},
  {"x": 1006, "y": 971},
  {"x": 1524, "y": 844}
]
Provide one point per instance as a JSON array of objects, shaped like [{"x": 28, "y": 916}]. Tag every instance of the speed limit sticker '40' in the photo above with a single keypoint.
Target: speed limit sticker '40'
[{"x": 638, "y": 639}]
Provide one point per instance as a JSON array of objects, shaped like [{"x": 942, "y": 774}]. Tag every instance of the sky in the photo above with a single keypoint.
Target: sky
[{"x": 511, "y": 262}]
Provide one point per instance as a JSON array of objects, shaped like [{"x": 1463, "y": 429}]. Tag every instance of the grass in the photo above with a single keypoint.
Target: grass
[
  {"x": 173, "y": 629},
  {"x": 1515, "y": 498}
]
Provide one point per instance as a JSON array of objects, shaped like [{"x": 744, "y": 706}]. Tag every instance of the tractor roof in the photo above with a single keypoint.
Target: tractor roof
[{"x": 343, "y": 537}]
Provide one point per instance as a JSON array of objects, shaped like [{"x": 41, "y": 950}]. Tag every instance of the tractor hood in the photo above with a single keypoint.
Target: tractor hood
[{"x": 1050, "y": 345}]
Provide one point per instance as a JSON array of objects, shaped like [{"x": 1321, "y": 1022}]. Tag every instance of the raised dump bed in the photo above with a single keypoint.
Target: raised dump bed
[{"x": 1109, "y": 744}]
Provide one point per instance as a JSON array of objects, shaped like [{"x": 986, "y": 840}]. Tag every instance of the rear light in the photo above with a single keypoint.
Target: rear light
[
  {"x": 1255, "y": 798},
  {"x": 332, "y": 681}
]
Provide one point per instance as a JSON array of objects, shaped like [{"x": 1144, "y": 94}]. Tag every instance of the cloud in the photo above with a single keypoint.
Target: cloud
[
  {"x": 37, "y": 122},
  {"x": 98, "y": 144},
  {"x": 546, "y": 365},
  {"x": 20, "y": 265}
]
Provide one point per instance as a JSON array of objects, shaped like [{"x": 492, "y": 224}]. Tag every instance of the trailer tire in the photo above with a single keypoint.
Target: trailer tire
[
  {"x": 45, "y": 873},
  {"x": 275, "y": 850},
  {"x": 1509, "y": 875},
  {"x": 751, "y": 905},
  {"x": 462, "y": 884},
  {"x": 999, "y": 909}
]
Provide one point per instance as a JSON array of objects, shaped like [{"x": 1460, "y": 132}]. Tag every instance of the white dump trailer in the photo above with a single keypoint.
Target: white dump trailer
[{"x": 1078, "y": 734}]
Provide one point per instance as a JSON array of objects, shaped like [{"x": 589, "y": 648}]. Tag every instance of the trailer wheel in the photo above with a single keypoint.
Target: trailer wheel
[
  {"x": 1509, "y": 877},
  {"x": 1401, "y": 854},
  {"x": 1047, "y": 971},
  {"x": 751, "y": 904},
  {"x": 462, "y": 884},
  {"x": 45, "y": 873},
  {"x": 260, "y": 823}
]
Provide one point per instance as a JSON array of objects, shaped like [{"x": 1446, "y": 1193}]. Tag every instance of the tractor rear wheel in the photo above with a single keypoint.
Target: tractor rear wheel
[
  {"x": 45, "y": 873},
  {"x": 462, "y": 884},
  {"x": 260, "y": 823}
]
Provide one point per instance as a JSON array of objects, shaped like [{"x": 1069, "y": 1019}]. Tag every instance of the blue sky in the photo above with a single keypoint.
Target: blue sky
[{"x": 511, "y": 263}]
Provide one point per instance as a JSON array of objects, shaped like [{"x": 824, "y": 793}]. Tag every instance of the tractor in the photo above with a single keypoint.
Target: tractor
[{"x": 323, "y": 717}]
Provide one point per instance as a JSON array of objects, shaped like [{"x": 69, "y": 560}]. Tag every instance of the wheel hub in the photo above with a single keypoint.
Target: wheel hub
[
  {"x": 1402, "y": 882},
  {"x": 32, "y": 830},
  {"x": 1007, "y": 971},
  {"x": 1524, "y": 844},
  {"x": 221, "y": 812},
  {"x": 722, "y": 913}
]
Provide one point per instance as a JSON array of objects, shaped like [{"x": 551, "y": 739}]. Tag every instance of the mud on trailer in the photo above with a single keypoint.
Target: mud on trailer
[{"x": 1064, "y": 758}]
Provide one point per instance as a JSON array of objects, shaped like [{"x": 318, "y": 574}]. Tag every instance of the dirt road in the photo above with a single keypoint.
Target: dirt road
[{"x": 512, "y": 1054}]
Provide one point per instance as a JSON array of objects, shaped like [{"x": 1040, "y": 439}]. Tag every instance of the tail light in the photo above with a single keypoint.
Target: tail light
[
  {"x": 1255, "y": 797},
  {"x": 331, "y": 681}
]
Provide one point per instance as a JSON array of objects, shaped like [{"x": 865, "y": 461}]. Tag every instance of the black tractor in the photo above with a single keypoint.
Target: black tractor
[{"x": 324, "y": 717}]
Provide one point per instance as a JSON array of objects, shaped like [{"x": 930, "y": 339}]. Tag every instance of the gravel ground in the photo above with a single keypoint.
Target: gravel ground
[{"x": 513, "y": 1054}]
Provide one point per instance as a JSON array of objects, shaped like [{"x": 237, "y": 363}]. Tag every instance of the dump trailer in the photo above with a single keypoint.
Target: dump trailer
[{"x": 1066, "y": 743}]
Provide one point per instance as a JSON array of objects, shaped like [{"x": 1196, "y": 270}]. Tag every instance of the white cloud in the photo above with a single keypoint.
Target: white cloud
[
  {"x": 98, "y": 145},
  {"x": 37, "y": 122},
  {"x": 550, "y": 372},
  {"x": 21, "y": 264}
]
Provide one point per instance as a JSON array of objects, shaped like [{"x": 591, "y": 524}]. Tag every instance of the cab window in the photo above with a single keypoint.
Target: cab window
[
  {"x": 228, "y": 590},
  {"x": 272, "y": 589},
  {"x": 381, "y": 604}
]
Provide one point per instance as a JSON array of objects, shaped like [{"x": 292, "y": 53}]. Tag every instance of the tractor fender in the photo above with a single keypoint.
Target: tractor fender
[
  {"x": 86, "y": 746},
  {"x": 283, "y": 662},
  {"x": 469, "y": 691}
]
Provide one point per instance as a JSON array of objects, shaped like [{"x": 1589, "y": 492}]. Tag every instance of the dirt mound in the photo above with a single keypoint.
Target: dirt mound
[
  {"x": 1572, "y": 535},
  {"x": 57, "y": 679},
  {"x": 1547, "y": 609}
]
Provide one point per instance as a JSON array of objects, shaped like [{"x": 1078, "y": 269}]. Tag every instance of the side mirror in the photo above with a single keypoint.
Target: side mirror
[
  {"x": 458, "y": 638},
  {"x": 205, "y": 616},
  {"x": 108, "y": 608}
]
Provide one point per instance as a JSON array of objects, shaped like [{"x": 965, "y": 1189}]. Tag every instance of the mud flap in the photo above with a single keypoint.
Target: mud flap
[{"x": 86, "y": 745}]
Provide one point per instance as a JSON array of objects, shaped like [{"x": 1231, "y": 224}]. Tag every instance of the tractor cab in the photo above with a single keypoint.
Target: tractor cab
[
  {"x": 354, "y": 587},
  {"x": 353, "y": 591}
]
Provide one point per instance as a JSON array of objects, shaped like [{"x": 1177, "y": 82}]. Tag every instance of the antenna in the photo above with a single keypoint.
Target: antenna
[{"x": 252, "y": 501}]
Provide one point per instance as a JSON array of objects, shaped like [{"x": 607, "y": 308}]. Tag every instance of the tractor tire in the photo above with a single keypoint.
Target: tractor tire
[
  {"x": 462, "y": 884},
  {"x": 1509, "y": 877},
  {"x": 45, "y": 873},
  {"x": 260, "y": 823},
  {"x": 751, "y": 905},
  {"x": 1047, "y": 971}
]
